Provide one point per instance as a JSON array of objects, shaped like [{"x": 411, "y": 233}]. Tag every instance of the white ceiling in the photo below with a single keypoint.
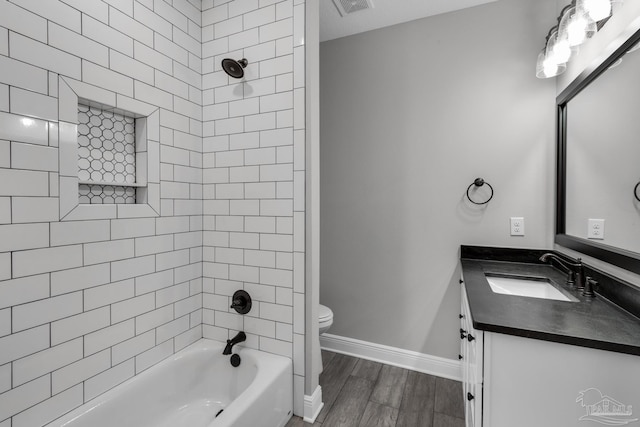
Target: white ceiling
[{"x": 384, "y": 14}]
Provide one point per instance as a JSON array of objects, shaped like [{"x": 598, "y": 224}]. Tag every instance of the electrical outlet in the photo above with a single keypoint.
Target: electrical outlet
[
  {"x": 595, "y": 229},
  {"x": 517, "y": 226}
]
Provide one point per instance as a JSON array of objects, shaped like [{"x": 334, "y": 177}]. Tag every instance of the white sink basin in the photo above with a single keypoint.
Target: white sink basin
[{"x": 524, "y": 287}]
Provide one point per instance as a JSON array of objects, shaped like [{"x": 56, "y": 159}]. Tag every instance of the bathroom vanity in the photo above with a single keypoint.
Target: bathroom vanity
[
  {"x": 540, "y": 353},
  {"x": 533, "y": 361}
]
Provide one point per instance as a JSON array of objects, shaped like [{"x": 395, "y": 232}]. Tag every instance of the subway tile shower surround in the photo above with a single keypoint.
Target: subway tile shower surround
[{"x": 91, "y": 295}]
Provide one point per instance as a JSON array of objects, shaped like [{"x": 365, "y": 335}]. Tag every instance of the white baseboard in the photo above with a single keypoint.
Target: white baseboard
[
  {"x": 313, "y": 405},
  {"x": 412, "y": 360}
]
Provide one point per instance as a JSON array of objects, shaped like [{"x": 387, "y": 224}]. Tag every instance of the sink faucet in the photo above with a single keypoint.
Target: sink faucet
[
  {"x": 240, "y": 337},
  {"x": 575, "y": 270}
]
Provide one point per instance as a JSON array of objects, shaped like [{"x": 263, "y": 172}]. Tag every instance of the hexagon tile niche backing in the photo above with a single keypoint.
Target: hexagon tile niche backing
[{"x": 106, "y": 154}]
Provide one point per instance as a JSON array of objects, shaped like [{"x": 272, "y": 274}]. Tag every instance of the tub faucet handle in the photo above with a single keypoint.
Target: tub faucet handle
[{"x": 241, "y": 302}]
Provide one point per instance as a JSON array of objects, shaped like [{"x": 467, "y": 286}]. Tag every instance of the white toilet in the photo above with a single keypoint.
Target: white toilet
[{"x": 325, "y": 320}]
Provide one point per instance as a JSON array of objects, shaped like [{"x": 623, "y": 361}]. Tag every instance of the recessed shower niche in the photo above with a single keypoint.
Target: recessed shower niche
[
  {"x": 106, "y": 156},
  {"x": 109, "y": 154}
]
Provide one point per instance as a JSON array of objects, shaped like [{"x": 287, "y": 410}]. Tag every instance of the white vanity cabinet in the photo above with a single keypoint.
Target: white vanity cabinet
[
  {"x": 524, "y": 382},
  {"x": 471, "y": 351}
]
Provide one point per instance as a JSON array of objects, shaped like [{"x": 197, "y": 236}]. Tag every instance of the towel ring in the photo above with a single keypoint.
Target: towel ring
[
  {"x": 479, "y": 182},
  {"x": 635, "y": 191}
]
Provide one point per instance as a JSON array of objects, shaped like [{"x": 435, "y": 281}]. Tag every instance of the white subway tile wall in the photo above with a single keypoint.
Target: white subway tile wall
[
  {"x": 250, "y": 170},
  {"x": 86, "y": 304}
]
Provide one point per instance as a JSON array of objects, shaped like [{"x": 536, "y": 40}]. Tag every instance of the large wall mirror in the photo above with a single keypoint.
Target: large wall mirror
[{"x": 598, "y": 193}]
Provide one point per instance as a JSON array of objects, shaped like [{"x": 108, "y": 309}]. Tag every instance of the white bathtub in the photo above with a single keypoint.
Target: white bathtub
[{"x": 190, "y": 388}]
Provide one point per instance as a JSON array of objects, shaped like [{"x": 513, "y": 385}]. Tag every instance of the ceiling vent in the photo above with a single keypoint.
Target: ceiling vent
[{"x": 346, "y": 7}]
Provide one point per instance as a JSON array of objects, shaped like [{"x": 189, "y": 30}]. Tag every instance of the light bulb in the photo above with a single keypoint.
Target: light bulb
[
  {"x": 577, "y": 29},
  {"x": 561, "y": 51},
  {"x": 563, "y": 27},
  {"x": 598, "y": 9},
  {"x": 549, "y": 67},
  {"x": 558, "y": 48},
  {"x": 546, "y": 66}
]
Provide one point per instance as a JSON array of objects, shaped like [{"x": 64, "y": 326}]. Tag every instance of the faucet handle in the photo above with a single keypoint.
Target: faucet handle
[
  {"x": 241, "y": 302},
  {"x": 571, "y": 278},
  {"x": 590, "y": 284}
]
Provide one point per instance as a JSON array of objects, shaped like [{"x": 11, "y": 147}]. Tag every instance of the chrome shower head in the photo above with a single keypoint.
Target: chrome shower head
[{"x": 234, "y": 68}]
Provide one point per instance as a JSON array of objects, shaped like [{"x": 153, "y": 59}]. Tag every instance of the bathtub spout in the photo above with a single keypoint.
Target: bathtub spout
[{"x": 240, "y": 337}]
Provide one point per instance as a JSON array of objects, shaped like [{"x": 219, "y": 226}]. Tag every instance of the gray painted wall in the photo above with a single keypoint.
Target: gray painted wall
[{"x": 410, "y": 115}]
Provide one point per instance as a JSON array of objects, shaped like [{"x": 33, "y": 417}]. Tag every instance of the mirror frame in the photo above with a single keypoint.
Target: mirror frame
[{"x": 620, "y": 257}]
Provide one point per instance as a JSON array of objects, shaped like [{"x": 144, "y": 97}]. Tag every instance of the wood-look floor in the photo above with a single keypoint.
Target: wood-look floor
[{"x": 361, "y": 393}]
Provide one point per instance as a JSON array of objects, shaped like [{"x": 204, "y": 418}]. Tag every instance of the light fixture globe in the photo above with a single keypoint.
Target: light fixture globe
[
  {"x": 596, "y": 9},
  {"x": 580, "y": 28},
  {"x": 542, "y": 69},
  {"x": 558, "y": 49},
  {"x": 576, "y": 26},
  {"x": 547, "y": 68}
]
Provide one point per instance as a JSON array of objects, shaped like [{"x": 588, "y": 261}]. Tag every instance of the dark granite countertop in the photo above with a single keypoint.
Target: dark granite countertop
[{"x": 595, "y": 323}]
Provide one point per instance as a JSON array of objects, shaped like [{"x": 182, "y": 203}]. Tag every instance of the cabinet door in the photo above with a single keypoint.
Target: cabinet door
[
  {"x": 475, "y": 341},
  {"x": 534, "y": 383},
  {"x": 471, "y": 344},
  {"x": 475, "y": 375},
  {"x": 464, "y": 344},
  {"x": 470, "y": 407}
]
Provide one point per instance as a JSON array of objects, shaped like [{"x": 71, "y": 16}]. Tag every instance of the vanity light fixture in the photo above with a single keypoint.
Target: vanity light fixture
[{"x": 578, "y": 21}]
